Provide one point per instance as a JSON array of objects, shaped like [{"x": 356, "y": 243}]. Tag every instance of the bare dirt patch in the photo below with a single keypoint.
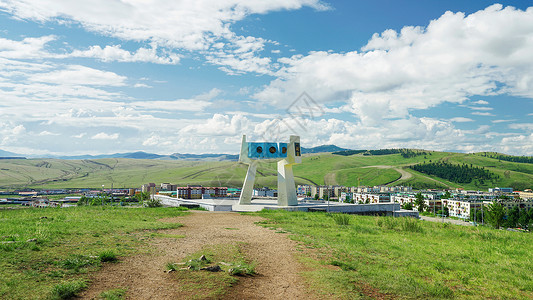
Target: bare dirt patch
[{"x": 144, "y": 278}]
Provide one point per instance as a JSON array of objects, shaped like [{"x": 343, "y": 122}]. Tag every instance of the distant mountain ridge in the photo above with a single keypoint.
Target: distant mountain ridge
[
  {"x": 323, "y": 148},
  {"x": 174, "y": 156}
]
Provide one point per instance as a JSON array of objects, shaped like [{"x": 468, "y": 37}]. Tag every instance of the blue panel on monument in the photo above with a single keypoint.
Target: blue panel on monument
[
  {"x": 271, "y": 150},
  {"x": 256, "y": 150},
  {"x": 282, "y": 148}
]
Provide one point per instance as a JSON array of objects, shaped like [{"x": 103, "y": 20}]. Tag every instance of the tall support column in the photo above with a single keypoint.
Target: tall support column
[
  {"x": 248, "y": 186},
  {"x": 286, "y": 186}
]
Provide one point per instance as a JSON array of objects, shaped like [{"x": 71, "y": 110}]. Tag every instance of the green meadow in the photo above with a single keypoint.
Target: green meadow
[
  {"x": 361, "y": 257},
  {"x": 48, "y": 253},
  {"x": 321, "y": 168}
]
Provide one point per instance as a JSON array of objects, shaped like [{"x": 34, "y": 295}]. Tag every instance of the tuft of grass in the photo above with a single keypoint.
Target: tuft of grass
[
  {"x": 171, "y": 266},
  {"x": 67, "y": 289},
  {"x": 77, "y": 262},
  {"x": 114, "y": 294},
  {"x": 341, "y": 219},
  {"x": 107, "y": 256},
  {"x": 196, "y": 263},
  {"x": 242, "y": 269},
  {"x": 406, "y": 224}
]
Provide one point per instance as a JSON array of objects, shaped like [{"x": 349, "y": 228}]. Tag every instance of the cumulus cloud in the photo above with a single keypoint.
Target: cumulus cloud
[
  {"x": 27, "y": 48},
  {"x": 218, "y": 125},
  {"x": 115, "y": 53},
  {"x": 453, "y": 58}
]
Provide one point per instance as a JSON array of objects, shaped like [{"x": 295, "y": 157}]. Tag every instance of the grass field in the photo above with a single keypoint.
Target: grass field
[
  {"x": 46, "y": 252},
  {"x": 384, "y": 257},
  {"x": 322, "y": 168}
]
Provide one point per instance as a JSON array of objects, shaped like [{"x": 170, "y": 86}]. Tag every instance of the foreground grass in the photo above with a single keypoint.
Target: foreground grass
[
  {"x": 47, "y": 253},
  {"x": 382, "y": 257}
]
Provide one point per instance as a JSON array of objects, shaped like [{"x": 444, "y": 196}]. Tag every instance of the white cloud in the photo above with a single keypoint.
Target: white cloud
[
  {"x": 47, "y": 133},
  {"x": 485, "y": 108},
  {"x": 172, "y": 105},
  {"x": 80, "y": 75},
  {"x": 524, "y": 126},
  {"x": 218, "y": 125},
  {"x": 115, "y": 53},
  {"x": 275, "y": 51},
  {"x": 481, "y": 102},
  {"x": 501, "y": 121},
  {"x": 28, "y": 48},
  {"x": 105, "y": 136},
  {"x": 190, "y": 25},
  {"x": 455, "y": 57},
  {"x": 79, "y": 136},
  {"x": 142, "y": 85},
  {"x": 486, "y": 114},
  {"x": 461, "y": 119}
]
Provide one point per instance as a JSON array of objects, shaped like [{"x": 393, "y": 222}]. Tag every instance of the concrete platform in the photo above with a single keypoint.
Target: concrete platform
[{"x": 387, "y": 209}]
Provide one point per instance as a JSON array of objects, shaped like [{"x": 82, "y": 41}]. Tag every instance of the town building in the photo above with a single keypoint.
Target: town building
[
  {"x": 198, "y": 192},
  {"x": 265, "y": 192},
  {"x": 526, "y": 194},
  {"x": 149, "y": 188},
  {"x": 168, "y": 187},
  {"x": 371, "y": 198}
]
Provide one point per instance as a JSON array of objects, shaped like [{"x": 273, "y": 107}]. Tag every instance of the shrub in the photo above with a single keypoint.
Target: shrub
[
  {"x": 152, "y": 202},
  {"x": 67, "y": 290}
]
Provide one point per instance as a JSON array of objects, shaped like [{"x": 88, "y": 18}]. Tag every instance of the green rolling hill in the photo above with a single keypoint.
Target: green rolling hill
[{"x": 317, "y": 168}]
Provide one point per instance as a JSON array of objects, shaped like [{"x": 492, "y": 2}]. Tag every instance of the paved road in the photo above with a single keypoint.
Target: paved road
[{"x": 446, "y": 220}]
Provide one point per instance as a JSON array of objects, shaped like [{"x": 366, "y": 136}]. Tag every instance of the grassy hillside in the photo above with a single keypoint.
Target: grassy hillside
[{"x": 322, "y": 168}]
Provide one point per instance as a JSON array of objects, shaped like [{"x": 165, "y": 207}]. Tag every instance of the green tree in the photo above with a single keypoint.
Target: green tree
[
  {"x": 83, "y": 201},
  {"x": 495, "y": 214},
  {"x": 408, "y": 206},
  {"x": 523, "y": 220},
  {"x": 316, "y": 196},
  {"x": 419, "y": 202},
  {"x": 512, "y": 217}
]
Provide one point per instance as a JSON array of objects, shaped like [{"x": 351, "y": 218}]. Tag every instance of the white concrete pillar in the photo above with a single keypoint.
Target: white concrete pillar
[
  {"x": 286, "y": 187},
  {"x": 248, "y": 186}
]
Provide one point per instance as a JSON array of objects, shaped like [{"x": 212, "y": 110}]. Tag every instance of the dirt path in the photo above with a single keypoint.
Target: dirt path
[{"x": 144, "y": 275}]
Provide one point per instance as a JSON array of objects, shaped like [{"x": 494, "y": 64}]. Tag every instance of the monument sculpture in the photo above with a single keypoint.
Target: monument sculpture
[{"x": 289, "y": 155}]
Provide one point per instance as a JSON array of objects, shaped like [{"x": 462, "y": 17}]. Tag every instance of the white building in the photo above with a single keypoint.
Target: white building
[{"x": 265, "y": 192}]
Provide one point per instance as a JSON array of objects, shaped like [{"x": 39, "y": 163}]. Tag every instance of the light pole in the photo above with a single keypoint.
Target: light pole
[{"x": 102, "y": 195}]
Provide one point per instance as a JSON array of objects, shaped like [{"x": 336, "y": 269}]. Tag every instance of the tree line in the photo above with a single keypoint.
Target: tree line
[
  {"x": 511, "y": 158},
  {"x": 455, "y": 173},
  {"x": 498, "y": 216},
  {"x": 405, "y": 153}
]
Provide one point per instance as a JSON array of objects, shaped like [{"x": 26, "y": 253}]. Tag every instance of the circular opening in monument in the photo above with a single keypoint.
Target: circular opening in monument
[
  {"x": 284, "y": 150},
  {"x": 259, "y": 149},
  {"x": 272, "y": 150}
]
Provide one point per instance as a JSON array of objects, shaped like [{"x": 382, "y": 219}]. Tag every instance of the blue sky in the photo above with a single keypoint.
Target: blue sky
[{"x": 95, "y": 77}]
